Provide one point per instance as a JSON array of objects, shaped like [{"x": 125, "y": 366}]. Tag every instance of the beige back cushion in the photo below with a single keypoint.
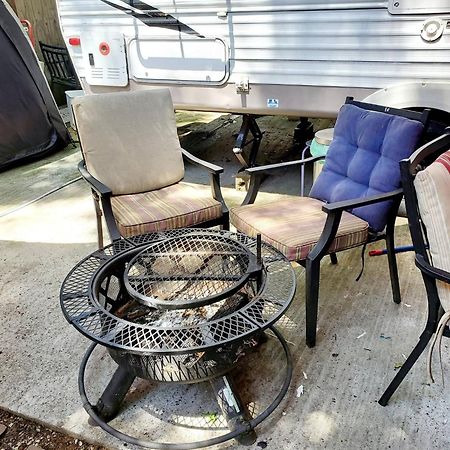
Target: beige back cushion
[
  {"x": 129, "y": 140},
  {"x": 433, "y": 195}
]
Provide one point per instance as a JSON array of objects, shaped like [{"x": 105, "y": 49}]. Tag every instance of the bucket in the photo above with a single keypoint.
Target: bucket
[{"x": 319, "y": 147}]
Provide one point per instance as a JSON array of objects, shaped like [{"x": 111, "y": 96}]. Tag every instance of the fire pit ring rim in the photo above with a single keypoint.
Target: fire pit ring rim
[
  {"x": 93, "y": 308},
  {"x": 179, "y": 351}
]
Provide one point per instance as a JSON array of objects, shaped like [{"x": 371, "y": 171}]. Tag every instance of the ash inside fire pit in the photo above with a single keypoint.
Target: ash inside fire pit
[
  {"x": 188, "y": 367},
  {"x": 134, "y": 311}
]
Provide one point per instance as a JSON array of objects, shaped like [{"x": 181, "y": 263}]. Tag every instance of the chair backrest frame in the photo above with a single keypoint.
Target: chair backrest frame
[
  {"x": 420, "y": 116},
  {"x": 59, "y": 65},
  {"x": 409, "y": 168}
]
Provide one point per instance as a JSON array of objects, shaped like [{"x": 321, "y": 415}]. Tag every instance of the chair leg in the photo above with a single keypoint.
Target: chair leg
[
  {"x": 406, "y": 367},
  {"x": 393, "y": 271},
  {"x": 98, "y": 214},
  {"x": 333, "y": 258},
  {"x": 226, "y": 222},
  {"x": 312, "y": 300}
]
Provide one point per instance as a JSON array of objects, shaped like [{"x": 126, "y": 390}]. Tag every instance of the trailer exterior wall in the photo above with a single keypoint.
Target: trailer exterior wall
[{"x": 291, "y": 51}]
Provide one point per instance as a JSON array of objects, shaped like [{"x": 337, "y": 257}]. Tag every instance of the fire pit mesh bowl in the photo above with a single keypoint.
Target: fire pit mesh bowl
[
  {"x": 196, "y": 341},
  {"x": 181, "y": 345}
]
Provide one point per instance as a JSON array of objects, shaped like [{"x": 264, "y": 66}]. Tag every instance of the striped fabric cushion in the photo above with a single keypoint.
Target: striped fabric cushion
[
  {"x": 294, "y": 225},
  {"x": 176, "y": 206},
  {"x": 433, "y": 194}
]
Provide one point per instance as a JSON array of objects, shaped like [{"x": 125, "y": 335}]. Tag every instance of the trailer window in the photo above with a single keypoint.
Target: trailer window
[{"x": 181, "y": 59}]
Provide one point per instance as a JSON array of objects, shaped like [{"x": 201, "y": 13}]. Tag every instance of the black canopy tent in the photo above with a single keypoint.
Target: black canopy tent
[{"x": 30, "y": 123}]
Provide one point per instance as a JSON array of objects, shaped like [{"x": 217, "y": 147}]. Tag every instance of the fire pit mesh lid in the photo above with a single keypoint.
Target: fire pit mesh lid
[{"x": 188, "y": 271}]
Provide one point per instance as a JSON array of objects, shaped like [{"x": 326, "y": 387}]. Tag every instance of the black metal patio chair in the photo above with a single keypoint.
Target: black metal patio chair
[
  {"x": 426, "y": 183},
  {"x": 354, "y": 200},
  {"x": 134, "y": 164}
]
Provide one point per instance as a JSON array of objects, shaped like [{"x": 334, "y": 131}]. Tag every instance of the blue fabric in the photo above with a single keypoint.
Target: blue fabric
[{"x": 363, "y": 159}]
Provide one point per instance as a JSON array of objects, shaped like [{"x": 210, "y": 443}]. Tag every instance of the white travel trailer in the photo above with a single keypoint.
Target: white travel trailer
[{"x": 290, "y": 57}]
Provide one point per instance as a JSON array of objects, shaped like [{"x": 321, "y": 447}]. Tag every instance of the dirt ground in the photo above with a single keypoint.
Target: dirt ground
[
  {"x": 202, "y": 136},
  {"x": 24, "y": 434}
]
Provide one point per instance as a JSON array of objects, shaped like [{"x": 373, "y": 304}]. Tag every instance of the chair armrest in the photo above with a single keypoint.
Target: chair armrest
[
  {"x": 334, "y": 213},
  {"x": 202, "y": 163},
  {"x": 431, "y": 271},
  {"x": 356, "y": 203},
  {"x": 271, "y": 167},
  {"x": 257, "y": 173},
  {"x": 98, "y": 186}
]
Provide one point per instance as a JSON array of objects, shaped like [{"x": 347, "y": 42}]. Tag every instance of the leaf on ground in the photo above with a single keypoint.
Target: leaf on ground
[{"x": 211, "y": 417}]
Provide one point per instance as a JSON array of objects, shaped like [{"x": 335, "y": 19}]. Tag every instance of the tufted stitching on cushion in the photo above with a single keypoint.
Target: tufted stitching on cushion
[{"x": 363, "y": 159}]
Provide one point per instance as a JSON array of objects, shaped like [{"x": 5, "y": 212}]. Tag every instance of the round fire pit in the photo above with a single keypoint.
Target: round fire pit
[{"x": 179, "y": 306}]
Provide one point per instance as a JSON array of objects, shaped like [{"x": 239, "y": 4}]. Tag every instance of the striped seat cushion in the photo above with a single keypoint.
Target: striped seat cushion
[
  {"x": 176, "y": 206},
  {"x": 294, "y": 225},
  {"x": 433, "y": 196},
  {"x": 432, "y": 187}
]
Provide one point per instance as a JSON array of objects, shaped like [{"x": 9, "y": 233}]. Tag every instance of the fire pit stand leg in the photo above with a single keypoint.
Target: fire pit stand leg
[
  {"x": 233, "y": 409},
  {"x": 109, "y": 403}
]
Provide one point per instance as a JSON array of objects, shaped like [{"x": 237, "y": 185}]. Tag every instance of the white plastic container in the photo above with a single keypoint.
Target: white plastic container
[
  {"x": 319, "y": 147},
  {"x": 70, "y": 95}
]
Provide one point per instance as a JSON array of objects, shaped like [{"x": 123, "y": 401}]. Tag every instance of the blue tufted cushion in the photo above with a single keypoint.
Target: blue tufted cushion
[{"x": 363, "y": 159}]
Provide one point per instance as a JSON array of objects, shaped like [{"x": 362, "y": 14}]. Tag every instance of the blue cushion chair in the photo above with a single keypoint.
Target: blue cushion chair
[{"x": 353, "y": 201}]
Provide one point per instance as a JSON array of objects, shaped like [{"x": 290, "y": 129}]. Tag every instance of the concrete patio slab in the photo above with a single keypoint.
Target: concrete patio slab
[
  {"x": 37, "y": 178},
  {"x": 362, "y": 337}
]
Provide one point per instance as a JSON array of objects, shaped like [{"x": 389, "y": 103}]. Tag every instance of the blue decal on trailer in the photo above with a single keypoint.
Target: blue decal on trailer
[{"x": 272, "y": 103}]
